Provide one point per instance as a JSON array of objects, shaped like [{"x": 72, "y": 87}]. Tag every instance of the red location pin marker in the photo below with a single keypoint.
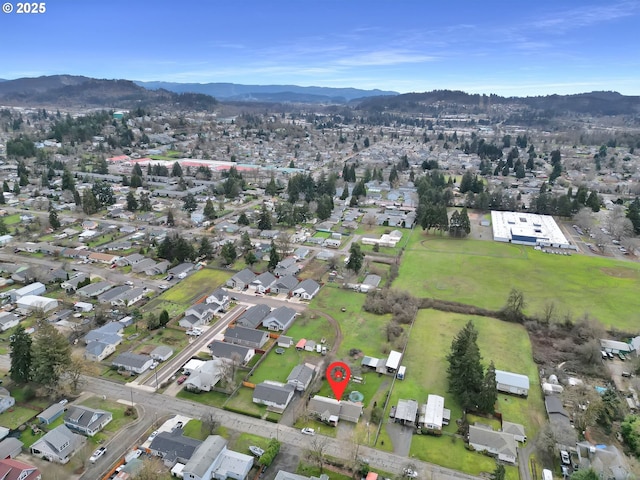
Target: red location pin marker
[{"x": 338, "y": 375}]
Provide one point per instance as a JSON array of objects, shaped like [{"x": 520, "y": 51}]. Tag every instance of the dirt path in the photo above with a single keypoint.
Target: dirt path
[{"x": 335, "y": 325}]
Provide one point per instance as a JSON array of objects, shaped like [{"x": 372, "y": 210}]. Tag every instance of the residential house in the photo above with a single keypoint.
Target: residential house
[
  {"x": 10, "y": 447},
  {"x": 58, "y": 445},
  {"x": 129, "y": 297},
  {"x": 280, "y": 319},
  {"x": 85, "y": 420},
  {"x": 181, "y": 270},
  {"x": 307, "y": 289},
  {"x": 406, "y": 412},
  {"x": 157, "y": 269},
  {"x": 106, "y": 258},
  {"x": 499, "y": 444},
  {"x": 8, "y": 320},
  {"x": 220, "y": 299},
  {"x": 6, "y": 400},
  {"x": 132, "y": 259},
  {"x": 433, "y": 415},
  {"x": 331, "y": 410},
  {"x": 197, "y": 315},
  {"x": 252, "y": 317},
  {"x": 301, "y": 253},
  {"x": 83, "y": 307},
  {"x": 285, "y": 285},
  {"x": 206, "y": 375},
  {"x": 263, "y": 282},
  {"x": 513, "y": 383},
  {"x": 110, "y": 328},
  {"x": 162, "y": 353},
  {"x": 241, "y": 280},
  {"x": 144, "y": 265},
  {"x": 301, "y": 376},
  {"x": 287, "y": 266},
  {"x": 275, "y": 396},
  {"x": 173, "y": 447},
  {"x": 98, "y": 350},
  {"x": 51, "y": 414},
  {"x": 249, "y": 337},
  {"x": 113, "y": 294},
  {"x": 238, "y": 353},
  {"x": 132, "y": 362},
  {"x": 71, "y": 284},
  {"x": 516, "y": 430},
  {"x": 11, "y": 469},
  {"x": 393, "y": 361},
  {"x": 212, "y": 460},
  {"x": 94, "y": 289}
]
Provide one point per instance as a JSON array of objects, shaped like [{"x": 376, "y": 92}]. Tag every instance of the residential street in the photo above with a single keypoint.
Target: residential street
[{"x": 291, "y": 437}]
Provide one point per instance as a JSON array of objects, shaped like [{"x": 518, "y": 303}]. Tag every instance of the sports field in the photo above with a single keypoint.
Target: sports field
[{"x": 482, "y": 273}]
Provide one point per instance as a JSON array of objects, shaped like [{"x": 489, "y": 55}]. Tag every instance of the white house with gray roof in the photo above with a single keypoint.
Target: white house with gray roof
[
  {"x": 212, "y": 460},
  {"x": 285, "y": 284},
  {"x": 499, "y": 444},
  {"x": 252, "y": 317},
  {"x": 94, "y": 289},
  {"x": 85, "y": 420},
  {"x": 58, "y": 445},
  {"x": 237, "y": 353},
  {"x": 279, "y": 319},
  {"x": 276, "y": 396},
  {"x": 249, "y": 337},
  {"x": 263, "y": 282},
  {"x": 301, "y": 376},
  {"x": 241, "y": 280},
  {"x": 133, "y": 362},
  {"x": 307, "y": 289},
  {"x": 129, "y": 297}
]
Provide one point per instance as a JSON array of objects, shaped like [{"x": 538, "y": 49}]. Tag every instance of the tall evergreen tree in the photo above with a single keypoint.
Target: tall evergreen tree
[
  {"x": 264, "y": 222},
  {"x": 20, "y": 354},
  {"x": 51, "y": 355},
  {"x": 132, "y": 202},
  {"x": 209, "y": 210},
  {"x": 356, "y": 257},
  {"x": 54, "y": 222},
  {"x": 465, "y": 373},
  {"x": 488, "y": 395},
  {"x": 274, "y": 257}
]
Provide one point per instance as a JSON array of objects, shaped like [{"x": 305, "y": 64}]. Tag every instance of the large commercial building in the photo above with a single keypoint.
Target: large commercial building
[{"x": 527, "y": 229}]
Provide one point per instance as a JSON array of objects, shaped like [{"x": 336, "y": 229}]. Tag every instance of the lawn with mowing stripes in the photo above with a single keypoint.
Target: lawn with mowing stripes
[{"x": 482, "y": 273}]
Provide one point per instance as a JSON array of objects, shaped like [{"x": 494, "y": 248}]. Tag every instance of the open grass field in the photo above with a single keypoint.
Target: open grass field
[
  {"x": 180, "y": 297},
  {"x": 312, "y": 327},
  {"x": 278, "y": 367},
  {"x": 16, "y": 416},
  {"x": 360, "y": 330},
  {"x": 506, "y": 344},
  {"x": 482, "y": 273},
  {"x": 12, "y": 219}
]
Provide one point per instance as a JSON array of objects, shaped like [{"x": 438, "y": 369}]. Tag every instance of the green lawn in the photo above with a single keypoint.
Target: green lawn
[
  {"x": 360, "y": 329},
  {"x": 193, "y": 429},
  {"x": 312, "y": 327},
  {"x": 195, "y": 286},
  {"x": 245, "y": 440},
  {"x": 16, "y": 416},
  {"x": 243, "y": 401},
  {"x": 507, "y": 344},
  {"x": 215, "y": 399},
  {"x": 12, "y": 219},
  {"x": 451, "y": 452},
  {"x": 278, "y": 367},
  {"x": 482, "y": 273}
]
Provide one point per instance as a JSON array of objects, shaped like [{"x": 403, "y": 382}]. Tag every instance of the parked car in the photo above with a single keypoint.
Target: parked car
[
  {"x": 564, "y": 457},
  {"x": 182, "y": 379},
  {"x": 97, "y": 454},
  {"x": 308, "y": 431}
]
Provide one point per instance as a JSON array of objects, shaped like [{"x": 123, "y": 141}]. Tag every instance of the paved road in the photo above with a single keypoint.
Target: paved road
[
  {"x": 168, "y": 369},
  {"x": 289, "y": 436}
]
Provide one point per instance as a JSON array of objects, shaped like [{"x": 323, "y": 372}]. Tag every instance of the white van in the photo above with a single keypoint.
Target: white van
[{"x": 547, "y": 475}]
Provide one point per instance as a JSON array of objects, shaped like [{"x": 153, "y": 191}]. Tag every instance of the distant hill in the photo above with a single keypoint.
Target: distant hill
[
  {"x": 593, "y": 103},
  {"x": 273, "y": 93},
  {"x": 78, "y": 91}
]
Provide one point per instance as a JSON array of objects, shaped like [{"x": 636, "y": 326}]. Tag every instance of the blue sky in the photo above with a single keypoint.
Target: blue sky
[{"x": 508, "y": 48}]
